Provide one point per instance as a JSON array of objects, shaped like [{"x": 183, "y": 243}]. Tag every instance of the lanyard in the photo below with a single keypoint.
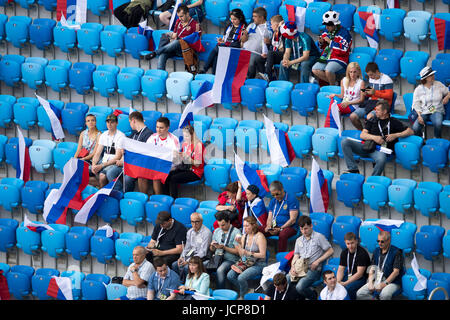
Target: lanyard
[
  {"x": 284, "y": 295},
  {"x": 182, "y": 30},
  {"x": 279, "y": 208},
  {"x": 159, "y": 236},
  {"x": 384, "y": 261},
  {"x": 160, "y": 283},
  {"x": 388, "y": 127},
  {"x": 431, "y": 99},
  {"x": 108, "y": 149},
  {"x": 349, "y": 270}
]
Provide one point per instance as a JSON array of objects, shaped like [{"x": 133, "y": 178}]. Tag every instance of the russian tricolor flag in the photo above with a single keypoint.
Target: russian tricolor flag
[
  {"x": 194, "y": 41},
  {"x": 54, "y": 114},
  {"x": 76, "y": 178},
  {"x": 377, "y": 147},
  {"x": 145, "y": 160},
  {"x": 94, "y": 201},
  {"x": 370, "y": 23},
  {"x": 202, "y": 100},
  {"x": 147, "y": 31},
  {"x": 296, "y": 17},
  {"x": 280, "y": 147},
  {"x": 60, "y": 288},
  {"x": 36, "y": 227},
  {"x": 174, "y": 17},
  {"x": 391, "y": 4},
  {"x": 442, "y": 33},
  {"x": 248, "y": 176},
  {"x": 72, "y": 10},
  {"x": 231, "y": 73},
  {"x": 319, "y": 197},
  {"x": 23, "y": 167},
  {"x": 384, "y": 224},
  {"x": 333, "y": 120}
]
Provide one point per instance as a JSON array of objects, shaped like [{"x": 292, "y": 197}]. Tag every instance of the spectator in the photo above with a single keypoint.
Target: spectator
[
  {"x": 223, "y": 243},
  {"x": 195, "y": 7},
  {"x": 233, "y": 201},
  {"x": 164, "y": 138},
  {"x": 252, "y": 251},
  {"x": 283, "y": 214},
  {"x": 231, "y": 38},
  {"x": 381, "y": 87},
  {"x": 86, "y": 145},
  {"x": 386, "y": 271},
  {"x": 266, "y": 61},
  {"x": 301, "y": 54},
  {"x": 108, "y": 146},
  {"x": 167, "y": 238},
  {"x": 352, "y": 94},
  {"x": 384, "y": 131},
  {"x": 428, "y": 101},
  {"x": 197, "y": 279},
  {"x": 311, "y": 250},
  {"x": 333, "y": 290},
  {"x": 162, "y": 281},
  {"x": 256, "y": 38},
  {"x": 255, "y": 207},
  {"x": 140, "y": 133},
  {"x": 191, "y": 164},
  {"x": 281, "y": 289},
  {"x": 169, "y": 45},
  {"x": 335, "y": 44},
  {"x": 137, "y": 276},
  {"x": 198, "y": 239},
  {"x": 355, "y": 260}
]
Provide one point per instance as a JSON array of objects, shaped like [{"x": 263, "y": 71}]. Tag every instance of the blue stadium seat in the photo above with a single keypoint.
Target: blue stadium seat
[
  {"x": 391, "y": 23},
  {"x": 41, "y": 155},
  {"x": 88, "y": 37},
  {"x": 253, "y": 94},
  {"x": 104, "y": 80},
  {"x": 109, "y": 210},
  {"x": 247, "y": 138},
  {"x": 80, "y": 77},
  {"x": 40, "y": 281},
  {"x": 11, "y": 153},
  {"x": 403, "y": 237},
  {"x": 444, "y": 201},
  {"x": 324, "y": 143},
  {"x": 225, "y": 294},
  {"x": 411, "y": 63},
  {"x": 132, "y": 207},
  {"x": 303, "y": 98},
  {"x": 115, "y": 291},
  {"x": 27, "y": 240},
  {"x": 426, "y": 197},
  {"x": 216, "y": 176},
  {"x": 98, "y": 7},
  {"x": 19, "y": 281},
  {"x": 178, "y": 86},
  {"x": 416, "y": 25},
  {"x": 7, "y": 233},
  {"x": 407, "y": 100},
  {"x": 102, "y": 247},
  {"x": 294, "y": 182},
  {"x": 174, "y": 118},
  {"x": 246, "y": 7},
  {"x": 64, "y": 38},
  {"x": 153, "y": 84},
  {"x": 438, "y": 279},
  {"x": 369, "y": 235},
  {"x": 41, "y": 33},
  {"x": 400, "y": 194},
  {"x": 25, "y": 112},
  {"x": 346, "y": 12},
  {"x": 342, "y": 225},
  {"x": 6, "y": 104},
  {"x": 323, "y": 100},
  {"x": 123, "y": 122},
  {"x": 446, "y": 245},
  {"x": 129, "y": 82},
  {"x": 5, "y": 268},
  {"x": 362, "y": 59},
  {"x": 33, "y": 195},
  {"x": 49, "y": 5},
  {"x": 135, "y": 43},
  {"x": 57, "y": 74},
  {"x": 111, "y": 40},
  {"x": 100, "y": 113},
  {"x": 409, "y": 281},
  {"x": 26, "y": 4},
  {"x": 155, "y": 205},
  {"x": 77, "y": 277},
  {"x": 322, "y": 223},
  {"x": 124, "y": 246},
  {"x": 3, "y": 141},
  {"x": 349, "y": 189},
  {"x": 73, "y": 117},
  {"x": 42, "y": 118},
  {"x": 17, "y": 30},
  {"x": 217, "y": 11},
  {"x": 313, "y": 16},
  {"x": 54, "y": 241},
  {"x": 198, "y": 81},
  {"x": 388, "y": 61},
  {"x": 375, "y": 191},
  {"x": 11, "y": 69},
  {"x": 62, "y": 153},
  {"x": 182, "y": 210},
  {"x": 442, "y": 67},
  {"x": 78, "y": 242},
  {"x": 10, "y": 193},
  {"x": 93, "y": 290},
  {"x": 429, "y": 241},
  {"x": 150, "y": 118},
  {"x": 278, "y": 95},
  {"x": 435, "y": 154},
  {"x": 407, "y": 151},
  {"x": 3, "y": 20}
]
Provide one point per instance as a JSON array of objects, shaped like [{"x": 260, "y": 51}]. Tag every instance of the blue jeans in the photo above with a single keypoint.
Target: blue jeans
[
  {"x": 354, "y": 286},
  {"x": 169, "y": 50},
  {"x": 349, "y": 147},
  {"x": 304, "y": 285},
  {"x": 305, "y": 70},
  {"x": 129, "y": 184},
  {"x": 241, "y": 280},
  {"x": 111, "y": 172},
  {"x": 435, "y": 118},
  {"x": 221, "y": 273}
]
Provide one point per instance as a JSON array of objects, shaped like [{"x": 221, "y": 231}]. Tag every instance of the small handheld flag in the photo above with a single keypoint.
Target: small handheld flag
[
  {"x": 319, "y": 196},
  {"x": 60, "y": 288},
  {"x": 147, "y": 31},
  {"x": 378, "y": 148},
  {"x": 202, "y": 100},
  {"x": 54, "y": 115},
  {"x": 23, "y": 168},
  {"x": 280, "y": 147},
  {"x": 442, "y": 28},
  {"x": 36, "y": 227},
  {"x": 333, "y": 120},
  {"x": 370, "y": 22},
  {"x": 248, "y": 176}
]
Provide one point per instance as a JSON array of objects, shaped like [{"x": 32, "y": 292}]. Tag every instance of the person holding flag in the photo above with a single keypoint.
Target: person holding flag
[
  {"x": 196, "y": 10},
  {"x": 255, "y": 207}
]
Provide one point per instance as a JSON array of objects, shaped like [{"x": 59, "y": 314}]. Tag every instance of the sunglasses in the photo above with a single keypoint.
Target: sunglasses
[{"x": 381, "y": 241}]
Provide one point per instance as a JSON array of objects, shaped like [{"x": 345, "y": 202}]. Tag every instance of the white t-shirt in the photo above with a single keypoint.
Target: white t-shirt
[
  {"x": 339, "y": 293},
  {"x": 171, "y": 142},
  {"x": 256, "y": 35},
  {"x": 110, "y": 142}
]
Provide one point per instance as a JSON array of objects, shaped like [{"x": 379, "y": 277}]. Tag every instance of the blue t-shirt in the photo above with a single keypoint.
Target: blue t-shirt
[
  {"x": 280, "y": 209},
  {"x": 161, "y": 286}
]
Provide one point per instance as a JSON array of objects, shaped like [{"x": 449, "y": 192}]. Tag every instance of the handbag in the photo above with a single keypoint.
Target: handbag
[
  {"x": 412, "y": 117},
  {"x": 369, "y": 146},
  {"x": 83, "y": 153},
  {"x": 244, "y": 262},
  {"x": 301, "y": 269}
]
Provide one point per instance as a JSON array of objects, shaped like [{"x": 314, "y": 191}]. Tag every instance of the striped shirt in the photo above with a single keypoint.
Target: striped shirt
[
  {"x": 144, "y": 272},
  {"x": 384, "y": 88}
]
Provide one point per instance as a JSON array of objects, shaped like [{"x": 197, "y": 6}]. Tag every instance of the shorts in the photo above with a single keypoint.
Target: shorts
[
  {"x": 360, "y": 112},
  {"x": 331, "y": 66}
]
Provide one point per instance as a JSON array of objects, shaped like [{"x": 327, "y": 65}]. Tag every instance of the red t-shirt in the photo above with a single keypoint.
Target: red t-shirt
[
  {"x": 196, "y": 155},
  {"x": 190, "y": 28}
]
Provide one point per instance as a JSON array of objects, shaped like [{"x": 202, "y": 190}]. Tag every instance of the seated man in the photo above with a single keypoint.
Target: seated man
[
  {"x": 108, "y": 146},
  {"x": 333, "y": 290},
  {"x": 311, "y": 250},
  {"x": 280, "y": 289},
  {"x": 384, "y": 131},
  {"x": 167, "y": 239},
  {"x": 381, "y": 87},
  {"x": 137, "y": 276},
  {"x": 162, "y": 281},
  {"x": 386, "y": 271},
  {"x": 140, "y": 133},
  {"x": 184, "y": 26},
  {"x": 198, "y": 239}
]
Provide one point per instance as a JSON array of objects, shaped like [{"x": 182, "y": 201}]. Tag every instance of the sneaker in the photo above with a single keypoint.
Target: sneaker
[
  {"x": 150, "y": 56},
  {"x": 263, "y": 76},
  {"x": 350, "y": 171}
]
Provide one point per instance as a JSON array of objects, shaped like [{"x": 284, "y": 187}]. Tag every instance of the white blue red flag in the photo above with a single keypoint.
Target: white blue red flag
[
  {"x": 319, "y": 196},
  {"x": 54, "y": 115},
  {"x": 377, "y": 147},
  {"x": 280, "y": 147},
  {"x": 76, "y": 178},
  {"x": 421, "y": 279},
  {"x": 94, "y": 201},
  {"x": 60, "y": 288},
  {"x": 442, "y": 28},
  {"x": 23, "y": 167},
  {"x": 392, "y": 4},
  {"x": 145, "y": 160},
  {"x": 174, "y": 16},
  {"x": 332, "y": 119},
  {"x": 196, "y": 295},
  {"x": 247, "y": 176},
  {"x": 231, "y": 72},
  {"x": 147, "y": 31},
  {"x": 194, "y": 41},
  {"x": 202, "y": 100},
  {"x": 370, "y": 23},
  {"x": 296, "y": 17},
  {"x": 36, "y": 227},
  {"x": 72, "y": 10},
  {"x": 384, "y": 224}
]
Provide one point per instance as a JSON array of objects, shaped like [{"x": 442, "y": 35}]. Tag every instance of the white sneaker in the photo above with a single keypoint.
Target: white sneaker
[{"x": 263, "y": 76}]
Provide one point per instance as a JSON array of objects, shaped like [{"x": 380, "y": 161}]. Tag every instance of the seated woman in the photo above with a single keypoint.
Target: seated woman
[
  {"x": 231, "y": 38},
  {"x": 86, "y": 144},
  {"x": 196, "y": 11},
  {"x": 252, "y": 251},
  {"x": 191, "y": 169},
  {"x": 352, "y": 94},
  {"x": 255, "y": 207},
  {"x": 232, "y": 200},
  {"x": 428, "y": 101},
  {"x": 197, "y": 279}
]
